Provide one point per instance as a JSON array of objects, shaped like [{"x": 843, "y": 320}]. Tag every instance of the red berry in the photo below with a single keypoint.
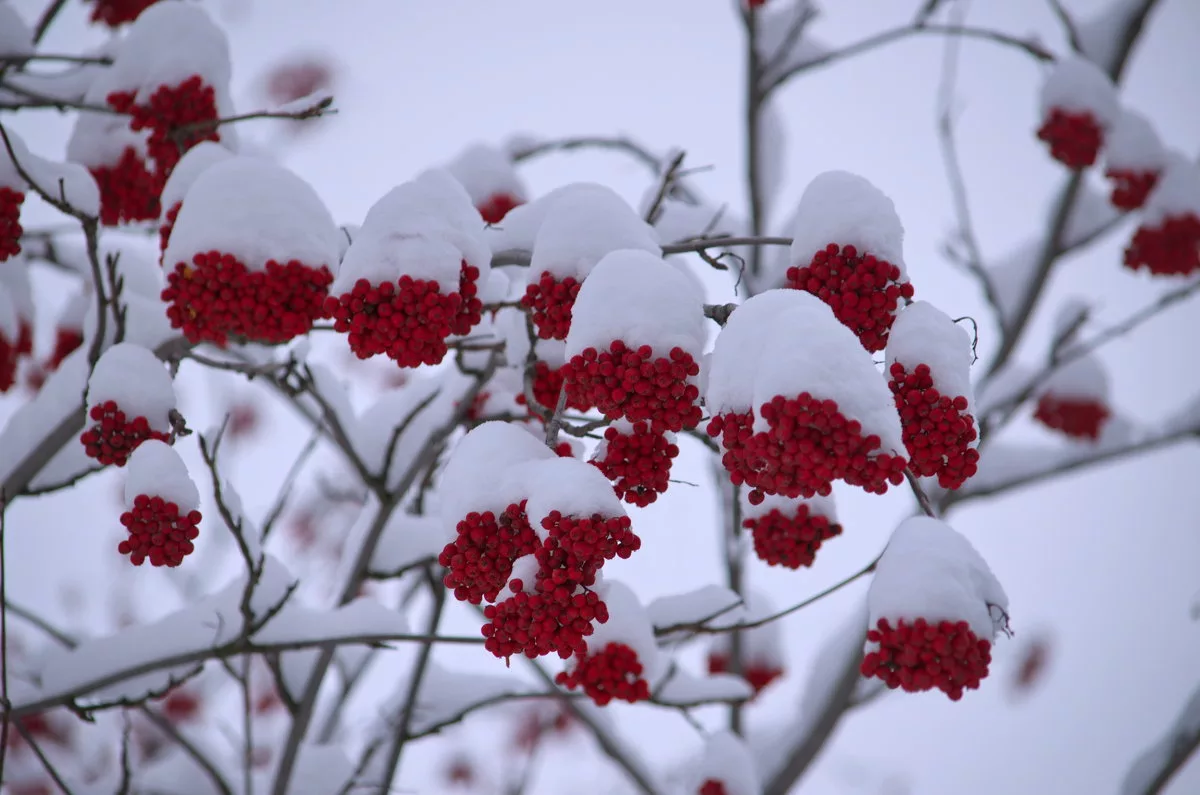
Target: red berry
[
  {"x": 114, "y": 437},
  {"x": 1079, "y": 418},
  {"x": 10, "y": 222},
  {"x": 937, "y": 429},
  {"x": 1074, "y": 138},
  {"x": 638, "y": 462},
  {"x": 550, "y": 302},
  {"x": 1172, "y": 248},
  {"x": 157, "y": 531},
  {"x": 637, "y": 385},
  {"x": 614, "y": 672},
  {"x": 864, "y": 292},
  {"x": 921, "y": 656}
]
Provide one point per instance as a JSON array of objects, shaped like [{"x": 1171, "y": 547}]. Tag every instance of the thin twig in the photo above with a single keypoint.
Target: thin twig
[
  {"x": 289, "y": 482},
  {"x": 918, "y": 491},
  {"x": 1068, "y": 24},
  {"x": 47, "y": 765},
  {"x": 322, "y": 107},
  {"x": 47, "y": 19},
  {"x": 669, "y": 175}
]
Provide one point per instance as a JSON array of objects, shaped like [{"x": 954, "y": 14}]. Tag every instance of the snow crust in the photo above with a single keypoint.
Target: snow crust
[
  {"x": 831, "y": 364},
  {"x": 817, "y": 505},
  {"x": 738, "y": 349},
  {"x": 1076, "y": 85},
  {"x": 1162, "y": 755},
  {"x": 581, "y": 228},
  {"x": 168, "y": 43},
  {"x": 1082, "y": 378},
  {"x": 35, "y": 420},
  {"x": 480, "y": 473},
  {"x": 156, "y": 470},
  {"x": 424, "y": 228},
  {"x": 628, "y": 623},
  {"x": 1177, "y": 193},
  {"x": 636, "y": 297},
  {"x": 924, "y": 334},
  {"x": 693, "y": 607},
  {"x": 16, "y": 37},
  {"x": 255, "y": 211},
  {"x": 16, "y": 287},
  {"x": 1133, "y": 144},
  {"x": 569, "y": 486},
  {"x": 844, "y": 208},
  {"x": 420, "y": 408},
  {"x": 407, "y": 541},
  {"x": 931, "y": 571},
  {"x": 139, "y": 383},
  {"x": 194, "y": 162},
  {"x": 761, "y": 645},
  {"x": 486, "y": 171},
  {"x": 362, "y": 618},
  {"x": 727, "y": 759},
  {"x": 69, "y": 182},
  {"x": 10, "y": 323},
  {"x": 100, "y": 139},
  {"x": 520, "y": 227}
]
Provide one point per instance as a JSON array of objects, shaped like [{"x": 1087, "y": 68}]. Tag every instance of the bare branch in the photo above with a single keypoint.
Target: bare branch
[
  {"x": 669, "y": 176},
  {"x": 1068, "y": 24},
  {"x": 323, "y": 106},
  {"x": 47, "y": 765},
  {"x": 47, "y": 19}
]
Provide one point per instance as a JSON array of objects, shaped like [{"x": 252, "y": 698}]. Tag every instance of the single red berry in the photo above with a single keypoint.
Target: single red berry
[
  {"x": 712, "y": 786},
  {"x": 115, "y": 13},
  {"x": 497, "y": 206}
]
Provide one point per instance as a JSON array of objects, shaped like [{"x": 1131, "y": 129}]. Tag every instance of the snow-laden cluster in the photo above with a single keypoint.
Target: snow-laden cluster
[
  {"x": 1167, "y": 243},
  {"x": 130, "y": 397},
  {"x": 195, "y": 162},
  {"x": 935, "y": 609},
  {"x": 413, "y": 273},
  {"x": 1134, "y": 158},
  {"x": 1074, "y": 398},
  {"x": 797, "y": 402},
  {"x": 1078, "y": 104},
  {"x": 491, "y": 180},
  {"x": 251, "y": 255},
  {"x": 929, "y": 360},
  {"x": 725, "y": 767},
  {"x": 162, "y": 507}
]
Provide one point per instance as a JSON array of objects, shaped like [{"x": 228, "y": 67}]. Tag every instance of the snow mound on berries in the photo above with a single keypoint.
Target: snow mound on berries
[
  {"x": 1077, "y": 85},
  {"x": 100, "y": 139},
  {"x": 693, "y": 607},
  {"x": 470, "y": 481},
  {"x": 1177, "y": 193},
  {"x": 423, "y": 229},
  {"x": 636, "y": 297},
  {"x": 16, "y": 37},
  {"x": 738, "y": 349},
  {"x": 844, "y": 208},
  {"x": 569, "y": 486},
  {"x": 194, "y": 162},
  {"x": 1082, "y": 378},
  {"x": 407, "y": 541},
  {"x": 628, "y": 623},
  {"x": 255, "y": 211},
  {"x": 1133, "y": 144},
  {"x": 581, "y": 228},
  {"x": 520, "y": 227},
  {"x": 727, "y": 759},
  {"x": 69, "y": 182},
  {"x": 156, "y": 470},
  {"x": 486, "y": 171},
  {"x": 931, "y": 571},
  {"x": 924, "y": 334},
  {"x": 137, "y": 381},
  {"x": 168, "y": 43},
  {"x": 809, "y": 350},
  {"x": 817, "y": 506}
]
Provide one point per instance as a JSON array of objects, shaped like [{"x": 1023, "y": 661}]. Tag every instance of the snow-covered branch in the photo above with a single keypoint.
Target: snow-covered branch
[{"x": 1153, "y": 770}]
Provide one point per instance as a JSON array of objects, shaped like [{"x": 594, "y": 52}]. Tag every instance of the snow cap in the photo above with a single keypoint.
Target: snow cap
[
  {"x": 1133, "y": 144},
  {"x": 156, "y": 470},
  {"x": 844, "y": 208},
  {"x": 924, "y": 334},
  {"x": 1077, "y": 85},
  {"x": 581, "y": 227},
  {"x": 136, "y": 381},
  {"x": 482, "y": 475},
  {"x": 486, "y": 171}
]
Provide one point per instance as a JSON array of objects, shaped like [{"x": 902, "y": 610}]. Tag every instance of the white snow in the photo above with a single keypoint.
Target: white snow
[
  {"x": 683, "y": 688},
  {"x": 923, "y": 334},
  {"x": 817, "y": 506},
  {"x": 363, "y": 618},
  {"x": 1100, "y": 34},
  {"x": 1164, "y": 754},
  {"x": 10, "y": 323},
  {"x": 408, "y": 541},
  {"x": 139, "y": 383},
  {"x": 1077, "y": 85},
  {"x": 1133, "y": 144},
  {"x": 524, "y": 569},
  {"x": 678, "y": 221},
  {"x": 1081, "y": 378},
  {"x": 168, "y": 43},
  {"x": 446, "y": 695},
  {"x": 831, "y": 364},
  {"x": 693, "y": 607},
  {"x": 761, "y": 645},
  {"x": 1177, "y": 193},
  {"x": 844, "y": 208},
  {"x": 35, "y": 420},
  {"x": 486, "y": 171},
  {"x": 931, "y": 571},
  {"x": 16, "y": 37},
  {"x": 628, "y": 623},
  {"x": 194, "y": 162},
  {"x": 67, "y": 182},
  {"x": 1091, "y": 214},
  {"x": 636, "y": 297},
  {"x": 772, "y": 155},
  {"x": 15, "y": 285},
  {"x": 100, "y": 139},
  {"x": 726, "y": 758},
  {"x": 520, "y": 227},
  {"x": 255, "y": 211},
  {"x": 569, "y": 486},
  {"x": 580, "y": 228},
  {"x": 424, "y": 229},
  {"x": 402, "y": 408},
  {"x": 156, "y": 470},
  {"x": 470, "y": 480}
]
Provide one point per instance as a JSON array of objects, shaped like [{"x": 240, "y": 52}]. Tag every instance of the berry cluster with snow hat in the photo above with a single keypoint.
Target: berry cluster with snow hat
[
  {"x": 412, "y": 276},
  {"x": 491, "y": 181},
  {"x": 129, "y": 401},
  {"x": 162, "y": 502}
]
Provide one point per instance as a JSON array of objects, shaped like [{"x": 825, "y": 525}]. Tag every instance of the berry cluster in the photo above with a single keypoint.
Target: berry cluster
[
  {"x": 114, "y": 437},
  {"x": 177, "y": 118},
  {"x": 480, "y": 560},
  {"x": 712, "y": 786},
  {"x": 638, "y": 463},
  {"x": 129, "y": 190},
  {"x": 168, "y": 224},
  {"x": 636, "y": 385},
  {"x": 735, "y": 430},
  {"x": 1078, "y": 418},
  {"x": 809, "y": 445},
  {"x": 757, "y": 674},
  {"x": 497, "y": 206},
  {"x": 158, "y": 532},
  {"x": 1170, "y": 249},
  {"x": 217, "y": 296},
  {"x": 10, "y": 222},
  {"x": 923, "y": 656},
  {"x": 790, "y": 539},
  {"x": 937, "y": 429},
  {"x": 863, "y": 290},
  {"x": 1074, "y": 138},
  {"x": 115, "y": 13},
  {"x": 547, "y": 383},
  {"x": 550, "y": 302},
  {"x": 408, "y": 320},
  {"x": 1130, "y": 188},
  {"x": 614, "y": 672}
]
